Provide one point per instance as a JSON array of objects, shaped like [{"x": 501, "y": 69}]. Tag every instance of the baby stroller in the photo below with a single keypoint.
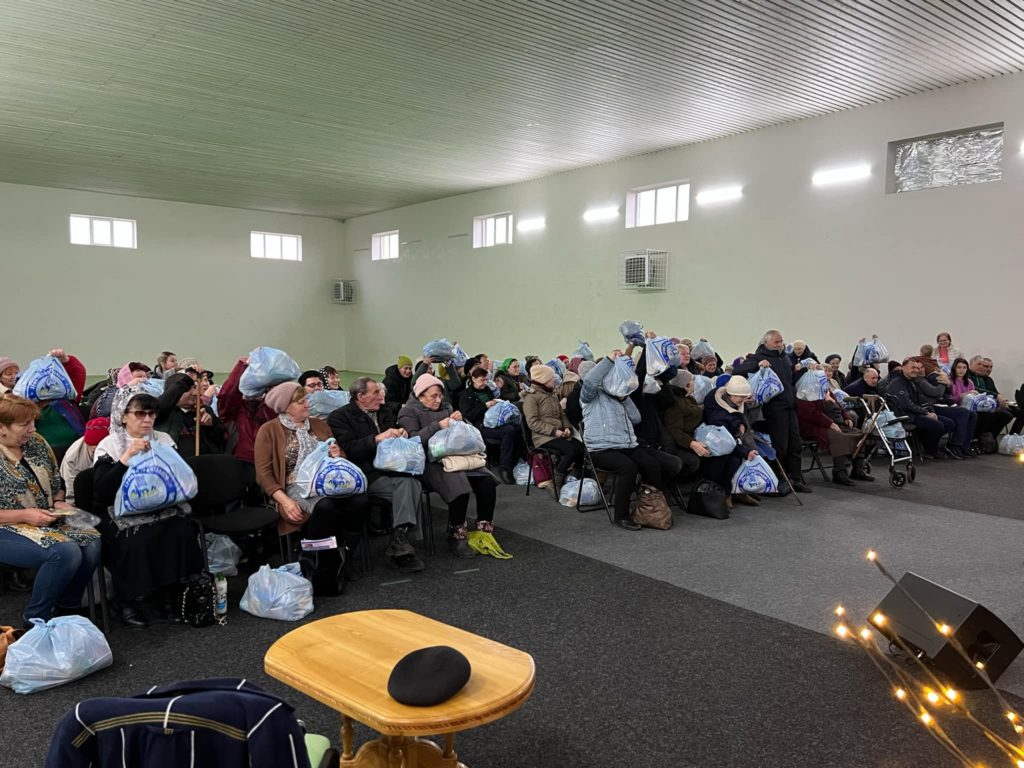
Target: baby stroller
[{"x": 891, "y": 437}]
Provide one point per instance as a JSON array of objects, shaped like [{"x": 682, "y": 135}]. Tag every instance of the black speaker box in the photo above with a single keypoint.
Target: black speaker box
[{"x": 982, "y": 635}]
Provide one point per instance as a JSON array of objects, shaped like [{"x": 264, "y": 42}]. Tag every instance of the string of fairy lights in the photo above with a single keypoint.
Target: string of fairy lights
[{"x": 931, "y": 701}]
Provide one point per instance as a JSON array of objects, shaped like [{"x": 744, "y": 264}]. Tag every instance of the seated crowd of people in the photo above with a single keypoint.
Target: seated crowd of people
[{"x": 644, "y": 439}]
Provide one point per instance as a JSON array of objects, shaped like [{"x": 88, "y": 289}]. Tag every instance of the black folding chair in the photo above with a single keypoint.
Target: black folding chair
[
  {"x": 534, "y": 450},
  {"x": 811, "y": 447},
  {"x": 84, "y": 500}
]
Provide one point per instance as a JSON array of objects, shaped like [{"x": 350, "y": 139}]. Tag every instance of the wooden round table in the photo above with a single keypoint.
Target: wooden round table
[{"x": 344, "y": 662}]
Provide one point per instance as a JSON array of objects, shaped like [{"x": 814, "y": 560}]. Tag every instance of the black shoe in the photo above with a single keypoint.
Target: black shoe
[
  {"x": 132, "y": 616},
  {"x": 864, "y": 476},
  {"x": 841, "y": 478},
  {"x": 506, "y": 476},
  {"x": 408, "y": 563},
  {"x": 800, "y": 487},
  {"x": 627, "y": 523},
  {"x": 460, "y": 548},
  {"x": 952, "y": 453}
]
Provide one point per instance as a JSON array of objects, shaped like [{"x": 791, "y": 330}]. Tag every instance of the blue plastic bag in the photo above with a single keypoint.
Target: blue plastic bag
[
  {"x": 45, "y": 379},
  {"x": 321, "y": 475},
  {"x": 156, "y": 479},
  {"x": 583, "y": 351},
  {"x": 324, "y": 402},
  {"x": 460, "y": 439},
  {"x": 439, "y": 350},
  {"x": 702, "y": 387},
  {"x": 621, "y": 380},
  {"x": 1011, "y": 445},
  {"x": 701, "y": 350},
  {"x": 458, "y": 356},
  {"x": 889, "y": 429},
  {"x": 812, "y": 386},
  {"x": 277, "y": 593},
  {"x": 651, "y": 385},
  {"x": 755, "y": 476},
  {"x": 55, "y": 652},
  {"x": 154, "y": 387},
  {"x": 571, "y": 490},
  {"x": 716, "y": 439},
  {"x": 400, "y": 454},
  {"x": 765, "y": 384},
  {"x": 869, "y": 352},
  {"x": 763, "y": 441},
  {"x": 502, "y": 412},
  {"x": 267, "y": 368},
  {"x": 558, "y": 366},
  {"x": 979, "y": 402},
  {"x": 662, "y": 354},
  {"x": 632, "y": 331}
]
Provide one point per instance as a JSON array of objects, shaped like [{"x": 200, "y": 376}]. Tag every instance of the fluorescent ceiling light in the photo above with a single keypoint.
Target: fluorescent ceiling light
[
  {"x": 601, "y": 214},
  {"x": 720, "y": 195},
  {"x": 531, "y": 225},
  {"x": 840, "y": 175}
]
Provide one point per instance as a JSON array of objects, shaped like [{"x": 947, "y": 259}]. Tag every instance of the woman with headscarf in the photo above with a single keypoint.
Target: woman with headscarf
[
  {"x": 329, "y": 376},
  {"x": 149, "y": 555},
  {"x": 507, "y": 379},
  {"x": 423, "y": 416},
  {"x": 282, "y": 444},
  {"x": 32, "y": 534}
]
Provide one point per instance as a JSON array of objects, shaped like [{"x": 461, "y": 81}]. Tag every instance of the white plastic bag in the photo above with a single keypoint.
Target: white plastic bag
[
  {"x": 320, "y": 475},
  {"x": 661, "y": 354},
  {"x": 632, "y": 331},
  {"x": 571, "y": 489},
  {"x": 45, "y": 379},
  {"x": 812, "y": 386},
  {"x": 439, "y": 350},
  {"x": 701, "y": 350},
  {"x": 870, "y": 351},
  {"x": 621, "y": 380},
  {"x": 755, "y": 476},
  {"x": 651, "y": 385},
  {"x": 702, "y": 386},
  {"x": 459, "y": 357},
  {"x": 267, "y": 368},
  {"x": 979, "y": 402},
  {"x": 716, "y": 438},
  {"x": 521, "y": 473},
  {"x": 324, "y": 402},
  {"x": 154, "y": 387},
  {"x": 764, "y": 384},
  {"x": 55, "y": 652},
  {"x": 1011, "y": 445},
  {"x": 401, "y": 454},
  {"x": 278, "y": 593},
  {"x": 223, "y": 554},
  {"x": 583, "y": 351},
  {"x": 501, "y": 413},
  {"x": 156, "y": 479},
  {"x": 460, "y": 439}
]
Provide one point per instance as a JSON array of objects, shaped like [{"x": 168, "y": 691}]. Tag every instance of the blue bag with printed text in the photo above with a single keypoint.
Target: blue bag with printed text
[
  {"x": 755, "y": 476},
  {"x": 155, "y": 479},
  {"x": 621, "y": 380},
  {"x": 502, "y": 412},
  {"x": 45, "y": 379},
  {"x": 400, "y": 454},
  {"x": 458, "y": 356},
  {"x": 764, "y": 384},
  {"x": 632, "y": 331},
  {"x": 439, "y": 350},
  {"x": 716, "y": 438},
  {"x": 321, "y": 475},
  {"x": 662, "y": 354},
  {"x": 812, "y": 386},
  {"x": 267, "y": 368}
]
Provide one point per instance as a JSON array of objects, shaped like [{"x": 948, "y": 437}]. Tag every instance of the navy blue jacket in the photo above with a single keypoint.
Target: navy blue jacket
[
  {"x": 717, "y": 416},
  {"x": 782, "y": 364},
  {"x": 218, "y": 723}
]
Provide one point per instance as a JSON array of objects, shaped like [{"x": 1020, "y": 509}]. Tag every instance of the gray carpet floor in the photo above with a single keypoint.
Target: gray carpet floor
[{"x": 707, "y": 645}]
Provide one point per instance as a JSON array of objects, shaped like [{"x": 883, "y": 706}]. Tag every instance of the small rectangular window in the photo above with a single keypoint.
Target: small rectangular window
[
  {"x": 384, "y": 246},
  {"x": 495, "y": 229},
  {"x": 102, "y": 230},
  {"x": 273, "y": 245},
  {"x": 657, "y": 205},
  {"x": 969, "y": 156}
]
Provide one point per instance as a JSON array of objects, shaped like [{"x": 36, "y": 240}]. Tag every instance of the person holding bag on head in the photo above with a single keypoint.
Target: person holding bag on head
[{"x": 281, "y": 446}]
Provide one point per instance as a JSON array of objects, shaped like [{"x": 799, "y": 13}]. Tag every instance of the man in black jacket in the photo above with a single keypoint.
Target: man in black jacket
[
  {"x": 177, "y": 417},
  {"x": 905, "y": 399},
  {"x": 359, "y": 427},
  {"x": 780, "y": 411}
]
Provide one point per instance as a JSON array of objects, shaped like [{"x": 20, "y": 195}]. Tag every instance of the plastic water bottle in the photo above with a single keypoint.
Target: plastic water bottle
[{"x": 221, "y": 584}]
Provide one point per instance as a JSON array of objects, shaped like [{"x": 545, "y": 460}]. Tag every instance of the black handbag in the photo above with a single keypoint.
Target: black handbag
[
  {"x": 199, "y": 601},
  {"x": 325, "y": 569},
  {"x": 708, "y": 500}
]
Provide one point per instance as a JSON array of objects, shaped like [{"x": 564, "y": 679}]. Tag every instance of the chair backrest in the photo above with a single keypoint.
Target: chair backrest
[{"x": 220, "y": 480}]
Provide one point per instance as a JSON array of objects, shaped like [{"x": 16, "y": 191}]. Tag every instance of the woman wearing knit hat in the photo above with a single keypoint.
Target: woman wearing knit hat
[
  {"x": 548, "y": 424},
  {"x": 423, "y": 416},
  {"x": 9, "y": 371},
  {"x": 398, "y": 382},
  {"x": 82, "y": 453},
  {"x": 282, "y": 444},
  {"x": 725, "y": 408}
]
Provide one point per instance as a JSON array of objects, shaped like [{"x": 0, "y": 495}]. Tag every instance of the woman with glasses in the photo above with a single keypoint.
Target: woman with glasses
[{"x": 152, "y": 554}]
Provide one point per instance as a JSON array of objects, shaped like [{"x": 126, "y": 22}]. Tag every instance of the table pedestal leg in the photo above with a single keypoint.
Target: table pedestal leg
[{"x": 399, "y": 752}]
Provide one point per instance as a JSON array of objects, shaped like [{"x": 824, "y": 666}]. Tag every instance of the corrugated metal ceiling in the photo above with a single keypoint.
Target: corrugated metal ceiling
[{"x": 343, "y": 108}]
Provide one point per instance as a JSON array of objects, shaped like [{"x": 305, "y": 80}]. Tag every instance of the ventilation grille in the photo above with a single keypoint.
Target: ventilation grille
[
  {"x": 343, "y": 292},
  {"x": 645, "y": 270}
]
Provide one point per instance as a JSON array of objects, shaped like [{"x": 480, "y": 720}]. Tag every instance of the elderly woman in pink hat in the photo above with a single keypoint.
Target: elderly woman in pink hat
[
  {"x": 426, "y": 414},
  {"x": 9, "y": 371}
]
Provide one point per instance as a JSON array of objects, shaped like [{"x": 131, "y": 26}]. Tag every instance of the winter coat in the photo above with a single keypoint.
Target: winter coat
[
  {"x": 509, "y": 386},
  {"x": 903, "y": 396},
  {"x": 544, "y": 415},
  {"x": 397, "y": 388},
  {"x": 816, "y": 418},
  {"x": 717, "y": 414},
  {"x": 860, "y": 388},
  {"x": 354, "y": 431},
  {"x": 783, "y": 366},
  {"x": 682, "y": 417},
  {"x": 418, "y": 420},
  {"x": 650, "y": 432},
  {"x": 961, "y": 387},
  {"x": 573, "y": 406},
  {"x": 472, "y": 403},
  {"x": 608, "y": 422},
  {"x": 931, "y": 390},
  {"x": 243, "y": 416},
  {"x": 452, "y": 380}
]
